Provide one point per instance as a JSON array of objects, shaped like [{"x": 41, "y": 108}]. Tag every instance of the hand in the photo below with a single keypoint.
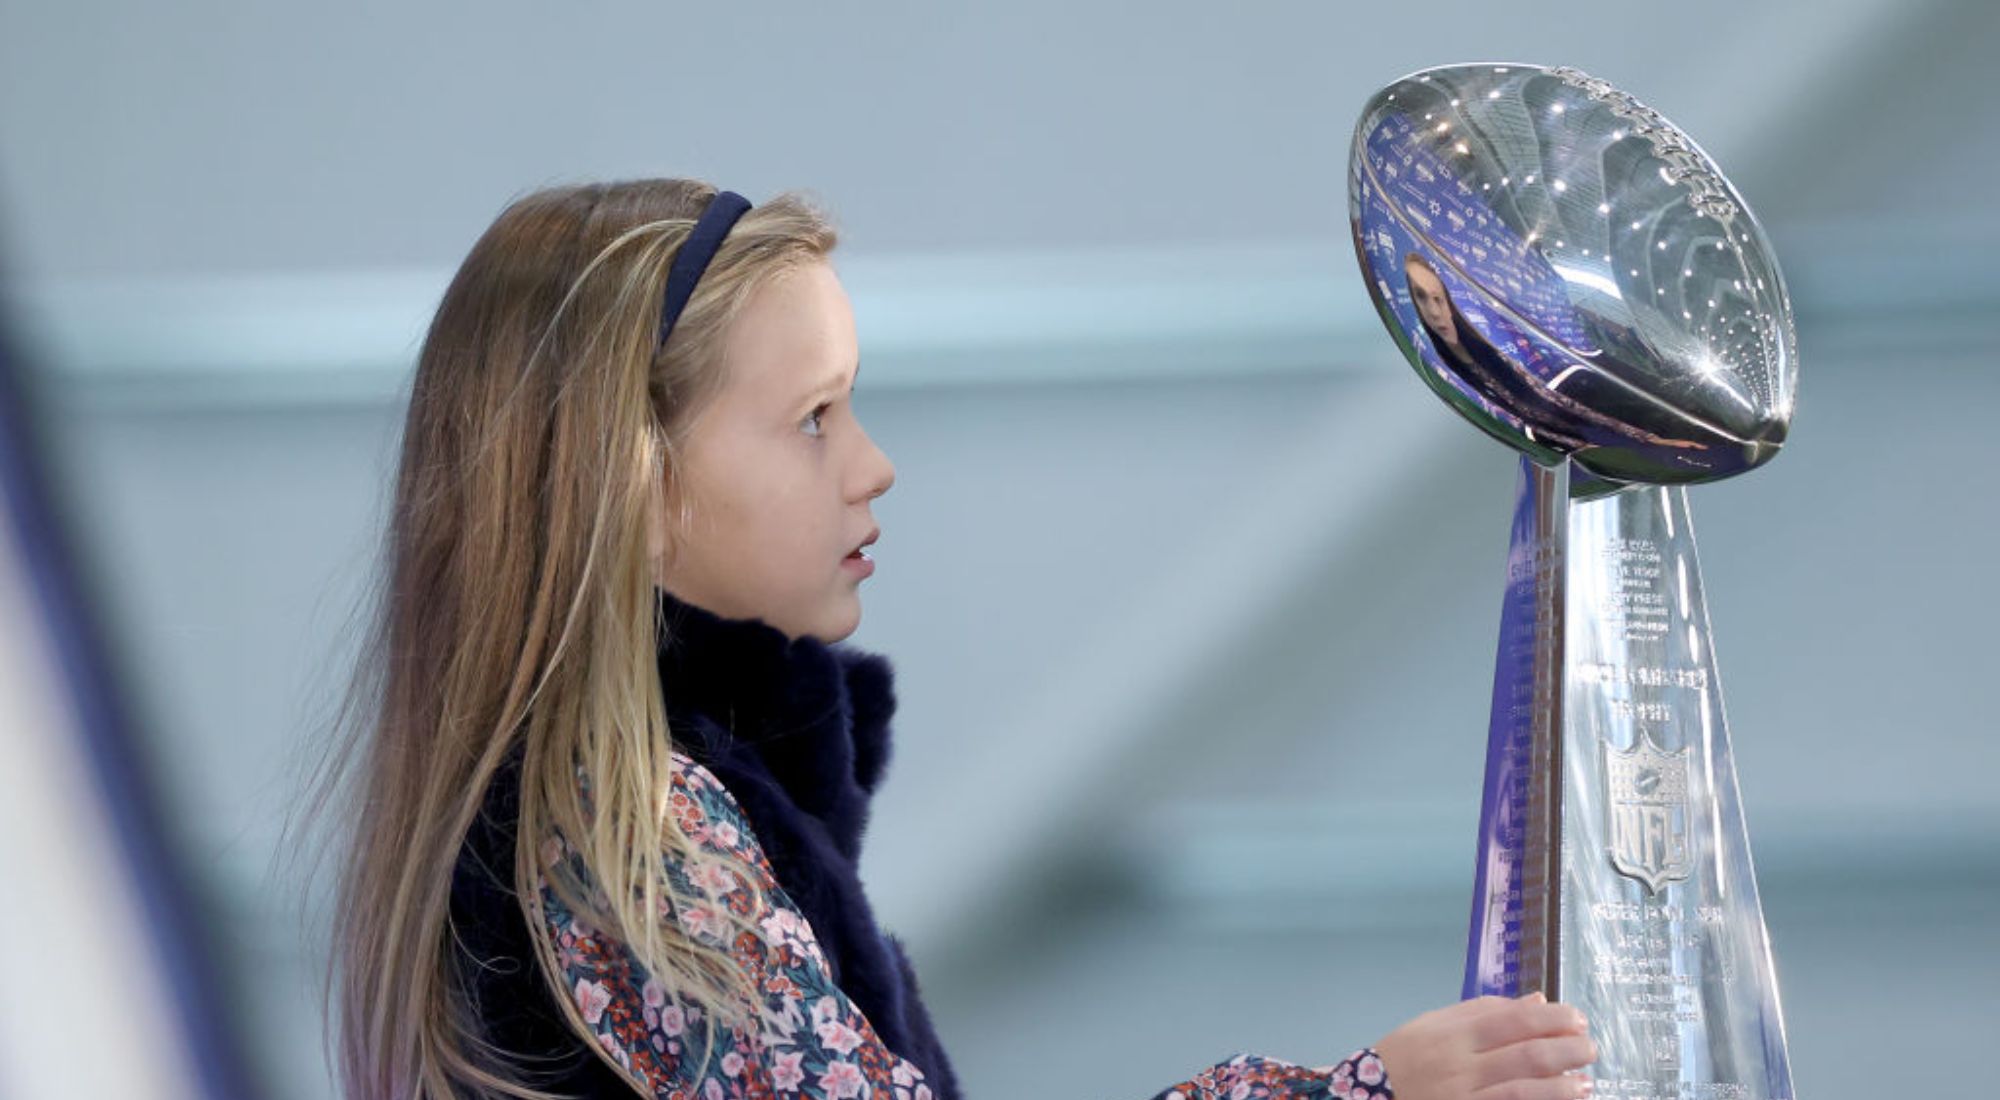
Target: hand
[{"x": 1490, "y": 1048}]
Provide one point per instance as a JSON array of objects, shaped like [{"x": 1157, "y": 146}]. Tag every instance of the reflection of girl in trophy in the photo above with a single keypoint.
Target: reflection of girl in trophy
[{"x": 1550, "y": 416}]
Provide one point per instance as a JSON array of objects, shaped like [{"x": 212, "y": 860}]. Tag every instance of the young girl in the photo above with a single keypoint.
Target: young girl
[{"x": 615, "y": 767}]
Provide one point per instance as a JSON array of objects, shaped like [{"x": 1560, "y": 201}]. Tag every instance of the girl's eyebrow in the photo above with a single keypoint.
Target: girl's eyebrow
[{"x": 832, "y": 384}]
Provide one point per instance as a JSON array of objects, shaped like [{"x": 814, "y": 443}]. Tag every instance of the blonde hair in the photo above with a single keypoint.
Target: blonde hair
[{"x": 515, "y": 613}]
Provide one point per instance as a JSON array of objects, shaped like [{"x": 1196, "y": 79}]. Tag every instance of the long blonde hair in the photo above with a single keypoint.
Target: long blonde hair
[{"x": 515, "y": 613}]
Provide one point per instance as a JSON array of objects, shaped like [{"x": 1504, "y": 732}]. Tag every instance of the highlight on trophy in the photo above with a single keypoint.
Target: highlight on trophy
[{"x": 1574, "y": 276}]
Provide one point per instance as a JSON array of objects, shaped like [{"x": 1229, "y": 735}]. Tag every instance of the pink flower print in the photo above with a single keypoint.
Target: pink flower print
[
  {"x": 840, "y": 1081},
  {"x": 699, "y": 922},
  {"x": 655, "y": 994},
  {"x": 1241, "y": 1091},
  {"x": 727, "y": 834},
  {"x": 1369, "y": 1070},
  {"x": 672, "y": 1020},
  {"x": 781, "y": 926},
  {"x": 711, "y": 1089},
  {"x": 902, "y": 1074},
  {"x": 839, "y": 1038},
  {"x": 715, "y": 879},
  {"x": 923, "y": 1093},
  {"x": 732, "y": 1064},
  {"x": 785, "y": 1071},
  {"x": 785, "y": 1018},
  {"x": 617, "y": 1050},
  {"x": 593, "y": 999},
  {"x": 824, "y": 1010}
]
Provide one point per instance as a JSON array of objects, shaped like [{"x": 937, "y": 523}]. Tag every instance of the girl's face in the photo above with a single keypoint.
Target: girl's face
[
  {"x": 1427, "y": 292},
  {"x": 778, "y": 474}
]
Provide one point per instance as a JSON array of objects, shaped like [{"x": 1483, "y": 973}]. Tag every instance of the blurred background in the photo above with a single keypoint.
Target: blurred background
[{"x": 1191, "y": 588}]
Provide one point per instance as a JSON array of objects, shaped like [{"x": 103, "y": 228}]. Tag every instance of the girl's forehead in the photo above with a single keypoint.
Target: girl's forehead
[{"x": 795, "y": 331}]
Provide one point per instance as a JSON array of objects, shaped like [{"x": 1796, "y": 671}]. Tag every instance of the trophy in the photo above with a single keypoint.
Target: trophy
[{"x": 1572, "y": 274}]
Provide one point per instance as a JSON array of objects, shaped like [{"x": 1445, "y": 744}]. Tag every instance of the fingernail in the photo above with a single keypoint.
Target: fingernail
[
  {"x": 1584, "y": 1087},
  {"x": 1535, "y": 996},
  {"x": 1577, "y": 1017}
]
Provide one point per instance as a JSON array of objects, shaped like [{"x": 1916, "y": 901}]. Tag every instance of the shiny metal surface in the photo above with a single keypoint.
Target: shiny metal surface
[
  {"x": 1571, "y": 273},
  {"x": 1517, "y": 912},
  {"x": 1606, "y": 681}
]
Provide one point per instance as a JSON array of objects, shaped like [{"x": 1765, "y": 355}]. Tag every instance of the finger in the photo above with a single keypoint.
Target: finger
[
  {"x": 1489, "y": 1004},
  {"x": 1538, "y": 1088},
  {"x": 1526, "y": 1021},
  {"x": 1532, "y": 1058}
]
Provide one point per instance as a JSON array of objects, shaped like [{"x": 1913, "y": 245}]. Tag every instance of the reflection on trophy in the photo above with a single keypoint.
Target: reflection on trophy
[{"x": 1571, "y": 273}]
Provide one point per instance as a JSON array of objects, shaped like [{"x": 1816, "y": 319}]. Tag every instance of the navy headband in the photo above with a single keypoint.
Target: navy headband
[{"x": 696, "y": 252}]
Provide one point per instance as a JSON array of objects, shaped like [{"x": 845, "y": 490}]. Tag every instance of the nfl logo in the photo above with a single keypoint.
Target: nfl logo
[{"x": 1647, "y": 800}]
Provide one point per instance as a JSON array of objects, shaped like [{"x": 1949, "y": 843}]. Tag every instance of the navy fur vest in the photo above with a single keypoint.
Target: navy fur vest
[{"x": 798, "y": 730}]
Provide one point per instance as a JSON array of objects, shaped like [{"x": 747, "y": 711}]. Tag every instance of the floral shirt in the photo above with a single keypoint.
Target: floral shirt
[{"x": 811, "y": 1040}]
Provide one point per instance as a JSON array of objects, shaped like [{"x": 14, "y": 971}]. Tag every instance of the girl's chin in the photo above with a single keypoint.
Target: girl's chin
[{"x": 842, "y": 619}]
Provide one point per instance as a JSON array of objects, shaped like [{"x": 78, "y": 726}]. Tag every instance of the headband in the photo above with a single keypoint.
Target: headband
[{"x": 695, "y": 253}]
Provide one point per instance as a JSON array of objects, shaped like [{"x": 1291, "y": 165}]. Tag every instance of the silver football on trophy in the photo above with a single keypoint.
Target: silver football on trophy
[{"x": 1572, "y": 274}]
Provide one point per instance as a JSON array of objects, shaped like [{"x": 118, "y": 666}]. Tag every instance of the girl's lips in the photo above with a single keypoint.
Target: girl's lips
[{"x": 859, "y": 562}]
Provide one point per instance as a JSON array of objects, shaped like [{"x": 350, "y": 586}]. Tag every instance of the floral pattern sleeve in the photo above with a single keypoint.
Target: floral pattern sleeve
[
  {"x": 811, "y": 1040},
  {"x": 1359, "y": 1076}
]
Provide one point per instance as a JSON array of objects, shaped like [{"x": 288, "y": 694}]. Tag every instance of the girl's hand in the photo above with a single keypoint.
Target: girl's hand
[{"x": 1490, "y": 1048}]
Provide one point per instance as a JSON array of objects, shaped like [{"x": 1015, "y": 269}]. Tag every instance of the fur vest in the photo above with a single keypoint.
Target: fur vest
[{"x": 798, "y": 731}]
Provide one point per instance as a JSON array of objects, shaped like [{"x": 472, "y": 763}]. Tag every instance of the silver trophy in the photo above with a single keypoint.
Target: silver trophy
[{"x": 1572, "y": 274}]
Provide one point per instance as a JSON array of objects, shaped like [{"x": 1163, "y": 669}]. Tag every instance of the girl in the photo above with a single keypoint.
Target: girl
[{"x": 615, "y": 769}]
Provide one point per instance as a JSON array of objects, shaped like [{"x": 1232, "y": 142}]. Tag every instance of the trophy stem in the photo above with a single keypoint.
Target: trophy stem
[
  {"x": 1516, "y": 921},
  {"x": 1614, "y": 867}
]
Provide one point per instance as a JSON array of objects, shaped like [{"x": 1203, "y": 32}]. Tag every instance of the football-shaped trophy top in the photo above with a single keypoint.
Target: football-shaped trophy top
[{"x": 1570, "y": 272}]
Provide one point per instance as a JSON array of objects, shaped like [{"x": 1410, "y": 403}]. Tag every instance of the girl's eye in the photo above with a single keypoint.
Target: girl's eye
[{"x": 814, "y": 420}]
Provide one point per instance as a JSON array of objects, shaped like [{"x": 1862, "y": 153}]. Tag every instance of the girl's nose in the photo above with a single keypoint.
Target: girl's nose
[
  {"x": 881, "y": 472},
  {"x": 886, "y": 478}
]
